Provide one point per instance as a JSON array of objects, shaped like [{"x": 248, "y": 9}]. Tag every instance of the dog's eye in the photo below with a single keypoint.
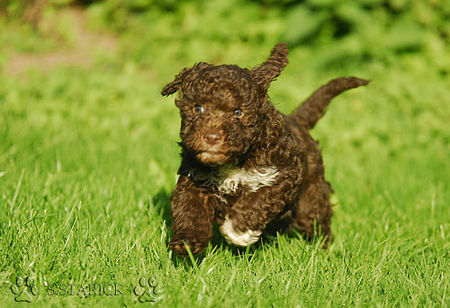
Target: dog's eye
[
  {"x": 199, "y": 109},
  {"x": 237, "y": 112}
]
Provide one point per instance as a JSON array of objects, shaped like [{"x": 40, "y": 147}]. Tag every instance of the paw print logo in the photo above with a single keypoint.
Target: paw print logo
[
  {"x": 147, "y": 290},
  {"x": 24, "y": 290}
]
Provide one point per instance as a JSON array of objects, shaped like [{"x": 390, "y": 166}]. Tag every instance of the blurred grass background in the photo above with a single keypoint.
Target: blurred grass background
[{"x": 88, "y": 152}]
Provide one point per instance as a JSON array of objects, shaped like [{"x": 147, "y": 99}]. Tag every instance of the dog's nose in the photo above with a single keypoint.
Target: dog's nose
[{"x": 212, "y": 138}]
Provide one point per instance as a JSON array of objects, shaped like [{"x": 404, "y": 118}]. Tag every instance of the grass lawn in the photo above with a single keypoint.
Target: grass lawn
[{"x": 88, "y": 160}]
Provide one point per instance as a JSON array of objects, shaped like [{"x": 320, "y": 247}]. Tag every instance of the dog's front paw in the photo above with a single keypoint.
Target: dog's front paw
[
  {"x": 236, "y": 237},
  {"x": 178, "y": 246}
]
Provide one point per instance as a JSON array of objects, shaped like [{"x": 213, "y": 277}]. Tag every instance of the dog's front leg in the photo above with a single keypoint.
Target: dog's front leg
[
  {"x": 250, "y": 214},
  {"x": 192, "y": 217}
]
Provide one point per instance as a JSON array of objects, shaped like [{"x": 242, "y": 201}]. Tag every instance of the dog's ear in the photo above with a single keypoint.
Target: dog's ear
[
  {"x": 272, "y": 67},
  {"x": 174, "y": 86}
]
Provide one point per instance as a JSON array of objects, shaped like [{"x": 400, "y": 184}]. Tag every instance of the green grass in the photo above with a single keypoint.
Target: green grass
[{"x": 88, "y": 160}]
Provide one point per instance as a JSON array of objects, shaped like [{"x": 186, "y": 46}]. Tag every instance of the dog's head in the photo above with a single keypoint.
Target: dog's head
[{"x": 224, "y": 109}]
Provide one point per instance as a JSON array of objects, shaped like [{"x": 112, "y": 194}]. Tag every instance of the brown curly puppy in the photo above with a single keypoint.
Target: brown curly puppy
[{"x": 244, "y": 164}]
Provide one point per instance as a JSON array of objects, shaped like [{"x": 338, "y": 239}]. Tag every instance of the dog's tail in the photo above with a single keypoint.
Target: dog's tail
[{"x": 314, "y": 107}]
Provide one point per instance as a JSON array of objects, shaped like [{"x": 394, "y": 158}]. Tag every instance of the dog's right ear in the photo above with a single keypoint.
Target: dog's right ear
[{"x": 174, "y": 86}]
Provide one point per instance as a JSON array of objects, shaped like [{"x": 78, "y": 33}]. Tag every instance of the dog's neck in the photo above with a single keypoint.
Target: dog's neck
[{"x": 227, "y": 178}]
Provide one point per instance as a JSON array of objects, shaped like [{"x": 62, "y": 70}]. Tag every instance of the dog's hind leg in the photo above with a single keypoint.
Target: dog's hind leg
[{"x": 313, "y": 211}]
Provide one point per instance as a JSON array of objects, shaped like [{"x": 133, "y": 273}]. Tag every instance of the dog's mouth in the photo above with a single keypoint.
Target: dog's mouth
[{"x": 212, "y": 158}]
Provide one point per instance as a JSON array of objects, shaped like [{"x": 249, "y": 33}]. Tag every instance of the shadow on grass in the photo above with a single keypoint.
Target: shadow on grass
[{"x": 161, "y": 202}]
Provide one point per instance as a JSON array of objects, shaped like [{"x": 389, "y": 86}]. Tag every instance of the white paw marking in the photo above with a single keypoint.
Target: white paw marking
[{"x": 238, "y": 238}]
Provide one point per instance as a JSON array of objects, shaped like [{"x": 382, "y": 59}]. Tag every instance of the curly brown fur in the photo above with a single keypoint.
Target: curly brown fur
[{"x": 244, "y": 164}]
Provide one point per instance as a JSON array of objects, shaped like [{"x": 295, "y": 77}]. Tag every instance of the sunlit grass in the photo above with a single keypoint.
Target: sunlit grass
[{"x": 88, "y": 160}]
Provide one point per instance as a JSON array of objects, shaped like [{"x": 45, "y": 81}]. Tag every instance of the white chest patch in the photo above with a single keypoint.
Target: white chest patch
[
  {"x": 238, "y": 238},
  {"x": 229, "y": 179}
]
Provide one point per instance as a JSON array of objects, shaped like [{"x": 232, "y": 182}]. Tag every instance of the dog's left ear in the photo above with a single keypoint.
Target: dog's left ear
[
  {"x": 272, "y": 67},
  {"x": 174, "y": 86}
]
